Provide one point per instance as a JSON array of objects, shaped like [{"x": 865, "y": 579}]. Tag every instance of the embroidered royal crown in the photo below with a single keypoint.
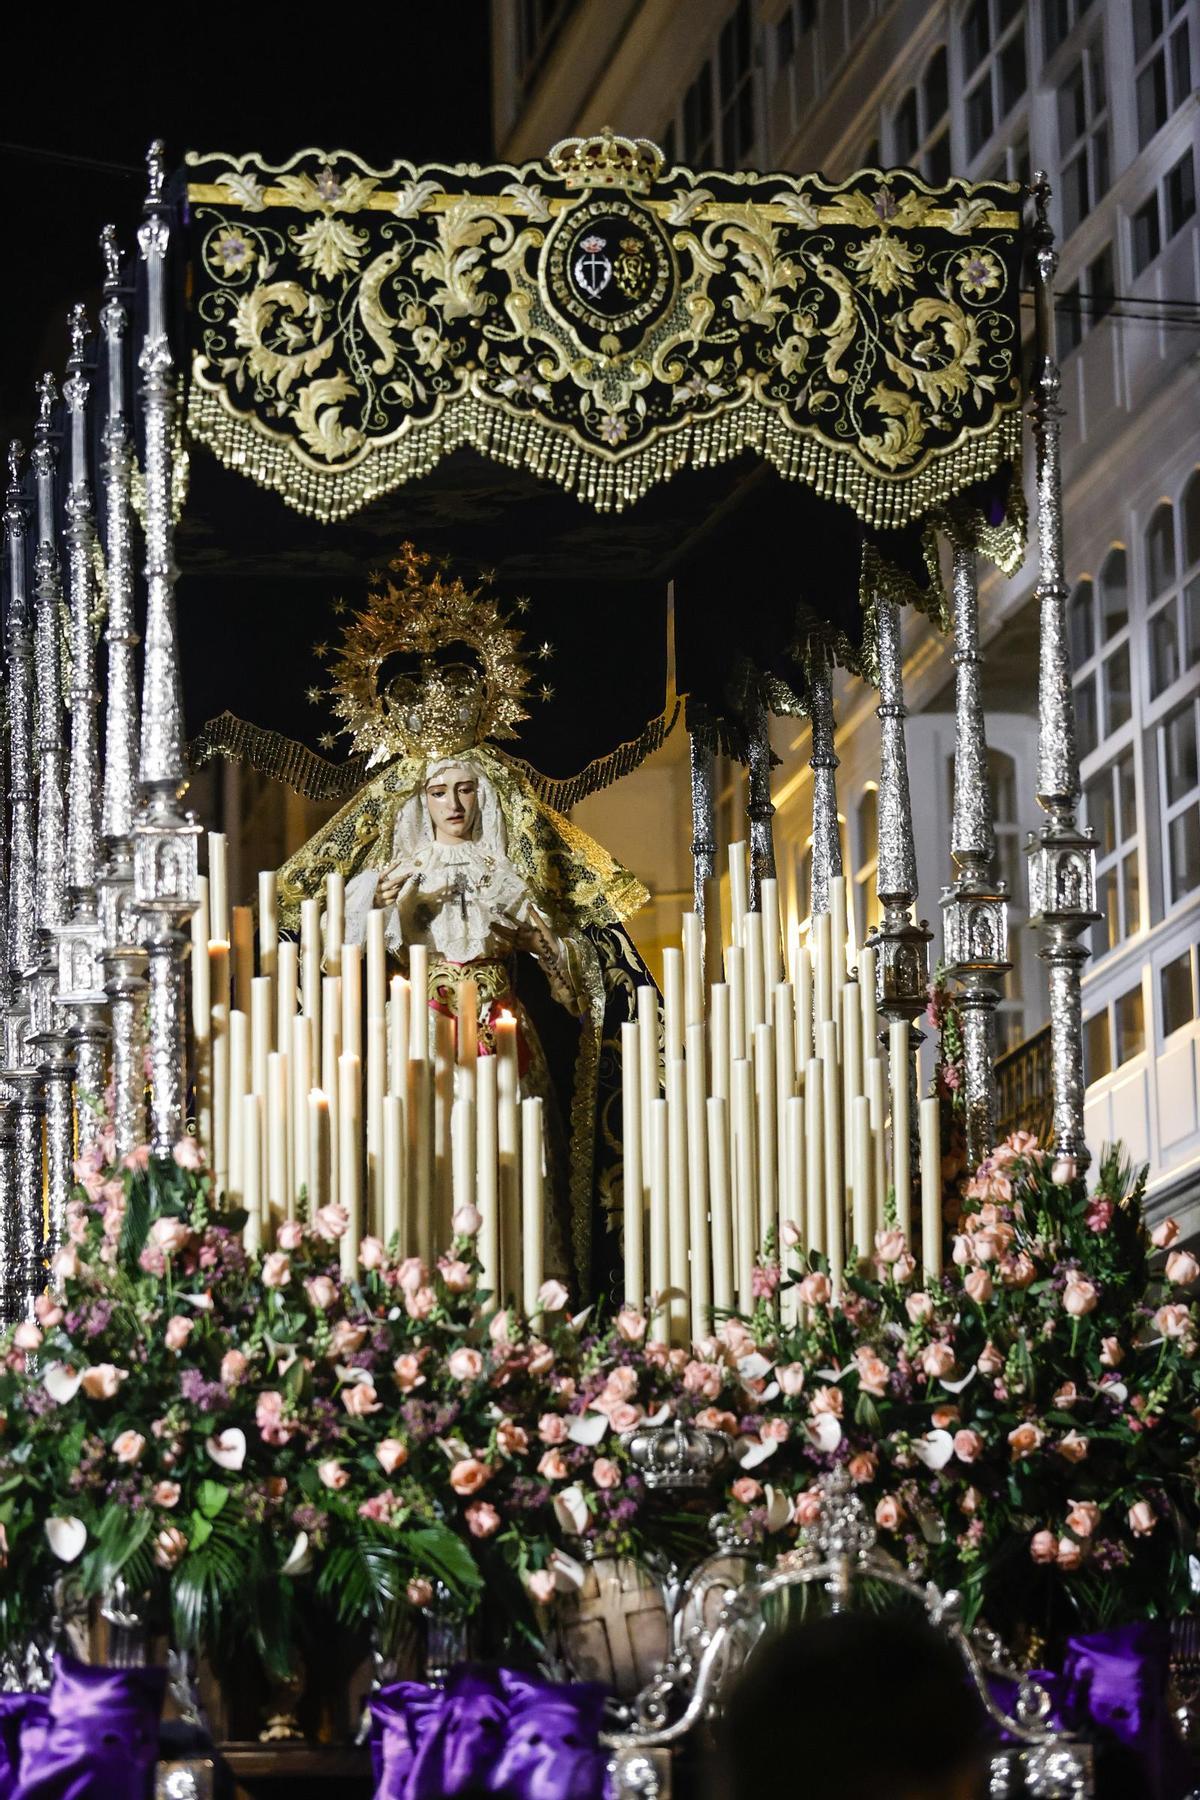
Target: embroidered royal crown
[{"x": 608, "y": 160}]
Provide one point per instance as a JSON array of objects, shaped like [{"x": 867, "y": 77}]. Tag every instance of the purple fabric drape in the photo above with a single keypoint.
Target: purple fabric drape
[
  {"x": 489, "y": 1730},
  {"x": 94, "y": 1737}
]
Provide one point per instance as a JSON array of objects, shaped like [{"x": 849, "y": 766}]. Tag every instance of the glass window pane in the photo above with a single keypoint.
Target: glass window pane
[
  {"x": 1101, "y": 812},
  {"x": 1097, "y": 1048},
  {"x": 1147, "y": 239},
  {"x": 1151, "y": 98},
  {"x": 1191, "y": 620},
  {"x": 1085, "y": 716},
  {"x": 1191, "y": 520},
  {"x": 1164, "y": 650},
  {"x": 979, "y": 115},
  {"x": 1179, "y": 753},
  {"x": 1181, "y": 67},
  {"x": 1175, "y": 986},
  {"x": 1101, "y": 288},
  {"x": 1185, "y": 853},
  {"x": 1083, "y": 642},
  {"x": 1181, "y": 194},
  {"x": 1114, "y": 594},
  {"x": 1118, "y": 689},
  {"x": 905, "y": 128},
  {"x": 1058, "y": 20},
  {"x": 1100, "y": 163},
  {"x": 1147, "y": 23},
  {"x": 1012, "y": 72},
  {"x": 1160, "y": 549},
  {"x": 1072, "y": 109},
  {"x": 976, "y": 34},
  {"x": 1069, "y": 309},
  {"x": 1076, "y": 202},
  {"x": 1131, "y": 905},
  {"x": 937, "y": 88},
  {"x": 1131, "y": 1025},
  {"x": 1127, "y": 798},
  {"x": 1107, "y": 933}
]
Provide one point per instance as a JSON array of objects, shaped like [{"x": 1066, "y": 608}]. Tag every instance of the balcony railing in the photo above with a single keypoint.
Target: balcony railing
[{"x": 1024, "y": 1088}]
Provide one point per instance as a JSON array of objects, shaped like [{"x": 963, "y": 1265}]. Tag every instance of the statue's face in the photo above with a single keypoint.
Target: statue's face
[{"x": 453, "y": 800}]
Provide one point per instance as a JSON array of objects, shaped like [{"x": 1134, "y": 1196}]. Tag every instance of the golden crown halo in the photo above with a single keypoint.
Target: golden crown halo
[{"x": 434, "y": 707}]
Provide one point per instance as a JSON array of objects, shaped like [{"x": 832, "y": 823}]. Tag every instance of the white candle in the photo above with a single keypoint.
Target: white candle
[
  {"x": 218, "y": 886},
  {"x": 814, "y": 1155},
  {"x": 393, "y": 1167},
  {"x": 508, "y": 1152},
  {"x": 219, "y": 983},
  {"x": 745, "y": 1209},
  {"x": 722, "y": 1218},
  {"x": 677, "y": 1203},
  {"x": 647, "y": 1024},
  {"x": 860, "y": 1159},
  {"x": 837, "y": 934},
  {"x": 931, "y": 1187},
  {"x": 443, "y": 1101},
  {"x": 693, "y": 969},
  {"x": 287, "y": 981},
  {"x": 632, "y": 1197},
  {"x": 331, "y": 1032},
  {"x": 468, "y": 1030},
  {"x": 735, "y": 978},
  {"x": 877, "y": 1096},
  {"x": 243, "y": 956},
  {"x": 335, "y": 922},
  {"x": 351, "y": 978},
  {"x": 718, "y": 1041},
  {"x": 202, "y": 1001},
  {"x": 277, "y": 1122},
  {"x": 822, "y": 973},
  {"x": 803, "y": 984},
  {"x": 870, "y": 1006},
  {"x": 785, "y": 1076},
  {"x": 239, "y": 1081},
  {"x": 220, "y": 1097},
  {"x": 659, "y": 1227},
  {"x": 700, "y": 1282},
  {"x": 793, "y": 1125},
  {"x": 462, "y": 1134},
  {"x": 302, "y": 1080},
  {"x": 835, "y": 1199},
  {"x": 752, "y": 953},
  {"x": 250, "y": 1138},
  {"x": 376, "y": 964},
  {"x": 399, "y": 1035},
  {"x": 739, "y": 890},
  {"x": 851, "y": 1062},
  {"x": 672, "y": 1005},
  {"x": 377, "y": 1077},
  {"x": 268, "y": 923},
  {"x": 350, "y": 1156},
  {"x": 418, "y": 1001},
  {"x": 532, "y": 1203},
  {"x": 418, "y": 1107},
  {"x": 262, "y": 1026},
  {"x": 772, "y": 942},
  {"x": 320, "y": 1150},
  {"x": 310, "y": 960},
  {"x": 765, "y": 1101},
  {"x": 901, "y": 1124},
  {"x": 485, "y": 1174}
]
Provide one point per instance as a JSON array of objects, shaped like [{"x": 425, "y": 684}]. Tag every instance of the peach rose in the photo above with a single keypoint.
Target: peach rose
[
  {"x": 863, "y": 1467},
  {"x": 1111, "y": 1353},
  {"x": 1018, "y": 1271},
  {"x": 553, "y": 1466},
  {"x": 66, "y": 1265},
  {"x": 331, "y": 1222},
  {"x": 889, "y": 1513},
  {"x": 827, "y": 1400},
  {"x": 962, "y": 1251},
  {"x": 978, "y": 1285},
  {"x": 791, "y": 1379},
  {"x": 1164, "y": 1234},
  {"x": 391, "y": 1455},
  {"x": 1073, "y": 1447},
  {"x": 128, "y": 1446},
  {"x": 889, "y": 1246},
  {"x": 1024, "y": 1440},
  {"x": 49, "y": 1312},
  {"x": 372, "y": 1253},
  {"x": 790, "y": 1234},
  {"x": 872, "y": 1373},
  {"x": 1142, "y": 1518},
  {"x": 467, "y": 1222},
  {"x": 815, "y": 1290},
  {"x": 746, "y": 1490},
  {"x": 322, "y": 1292},
  {"x": 969, "y": 1501},
  {"x": 465, "y": 1364},
  {"x": 289, "y": 1234},
  {"x": 483, "y": 1521},
  {"x": 919, "y": 1308},
  {"x": 552, "y": 1428},
  {"x": 360, "y": 1399},
  {"x": 631, "y": 1325},
  {"x": 1083, "y": 1517},
  {"x": 1079, "y": 1295},
  {"x": 458, "y": 1276},
  {"x": 944, "y": 1417},
  {"x": 990, "y": 1361},
  {"x": 169, "y": 1546},
  {"x": 102, "y": 1381},
  {"x": 276, "y": 1269},
  {"x": 1182, "y": 1268},
  {"x": 1066, "y": 1395},
  {"x": 419, "y": 1591},
  {"x": 170, "y": 1236},
  {"x": 624, "y": 1416},
  {"x": 968, "y": 1446},
  {"x": 937, "y": 1360},
  {"x": 541, "y": 1587},
  {"x": 1174, "y": 1321},
  {"x": 233, "y": 1366},
  {"x": 1069, "y": 1554},
  {"x": 420, "y": 1303},
  {"x": 178, "y": 1331},
  {"x": 333, "y": 1475},
  {"x": 807, "y": 1509},
  {"x": 552, "y": 1297},
  {"x": 776, "y": 1431},
  {"x": 605, "y": 1472},
  {"x": 468, "y": 1475},
  {"x": 511, "y": 1437},
  {"x": 27, "y": 1336},
  {"x": 166, "y": 1494},
  {"x": 1043, "y": 1547},
  {"x": 407, "y": 1371}
]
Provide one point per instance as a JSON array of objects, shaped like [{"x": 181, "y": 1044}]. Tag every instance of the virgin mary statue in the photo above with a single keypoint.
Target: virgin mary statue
[{"x": 519, "y": 911}]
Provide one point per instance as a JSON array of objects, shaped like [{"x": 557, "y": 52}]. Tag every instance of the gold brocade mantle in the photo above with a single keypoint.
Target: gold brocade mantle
[{"x": 351, "y": 327}]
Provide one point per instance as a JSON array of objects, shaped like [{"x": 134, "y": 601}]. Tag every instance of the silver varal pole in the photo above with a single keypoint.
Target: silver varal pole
[
  {"x": 124, "y": 957},
  {"x": 823, "y": 761},
  {"x": 80, "y": 974},
  {"x": 20, "y": 1207},
  {"x": 165, "y": 872},
  {"x": 702, "y": 756},
  {"x": 760, "y": 808},
  {"x": 1061, "y": 856},
  {"x": 49, "y": 1040},
  {"x": 975, "y": 905}
]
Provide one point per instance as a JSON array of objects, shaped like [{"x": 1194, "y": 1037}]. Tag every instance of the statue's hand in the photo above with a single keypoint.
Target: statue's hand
[
  {"x": 512, "y": 935},
  {"x": 393, "y": 882}
]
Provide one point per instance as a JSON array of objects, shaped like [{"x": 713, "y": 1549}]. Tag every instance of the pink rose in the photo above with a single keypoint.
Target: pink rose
[
  {"x": 1043, "y": 1547},
  {"x": 170, "y": 1236},
  {"x": 411, "y": 1274},
  {"x": 541, "y": 1587},
  {"x": 791, "y": 1379},
  {"x": 468, "y": 1475},
  {"x": 827, "y": 1400},
  {"x": 552, "y": 1297},
  {"x": 542, "y": 1360},
  {"x": 944, "y": 1417},
  {"x": 49, "y": 1312},
  {"x": 360, "y": 1399},
  {"x": 816, "y": 1289},
  {"x": 331, "y": 1222},
  {"x": 178, "y": 1331},
  {"x": 1142, "y": 1518},
  {"x": 807, "y": 1509},
  {"x": 872, "y": 1373},
  {"x": 512, "y": 1438},
  {"x": 605, "y": 1472},
  {"x": 889, "y": 1246},
  {"x": 1079, "y": 1295},
  {"x": 889, "y": 1513},
  {"x": 137, "y": 1159},
  {"x": 775, "y": 1431},
  {"x": 467, "y": 1222},
  {"x": 552, "y": 1428},
  {"x": 102, "y": 1381},
  {"x": 903, "y": 1269},
  {"x": 169, "y": 1546},
  {"x": 622, "y": 1382},
  {"x": 1174, "y": 1321},
  {"x": 483, "y": 1521},
  {"x": 407, "y": 1370},
  {"x": 65, "y": 1266},
  {"x": 166, "y": 1494},
  {"x": 1164, "y": 1234},
  {"x": 187, "y": 1154},
  {"x": 978, "y": 1285},
  {"x": 746, "y": 1490},
  {"x": 372, "y": 1253},
  {"x": 919, "y": 1308},
  {"x": 1111, "y": 1353},
  {"x": 1066, "y": 1395},
  {"x": 333, "y": 1475},
  {"x": 1182, "y": 1268},
  {"x": 289, "y": 1234},
  {"x": 420, "y": 1303},
  {"x": 1073, "y": 1447},
  {"x": 631, "y": 1325},
  {"x": 419, "y": 1591},
  {"x": 465, "y": 1364},
  {"x": 553, "y": 1466},
  {"x": 268, "y": 1416},
  {"x": 27, "y": 1336},
  {"x": 1069, "y": 1554},
  {"x": 152, "y": 1261},
  {"x": 790, "y": 1234},
  {"x": 391, "y": 1455},
  {"x": 937, "y": 1360},
  {"x": 1083, "y": 1518},
  {"x": 128, "y": 1446},
  {"x": 711, "y": 1418},
  {"x": 322, "y": 1292},
  {"x": 1024, "y": 1440},
  {"x": 968, "y": 1446},
  {"x": 863, "y": 1467},
  {"x": 276, "y": 1269},
  {"x": 233, "y": 1366},
  {"x": 459, "y": 1277},
  {"x": 969, "y": 1500},
  {"x": 624, "y": 1416},
  {"x": 962, "y": 1251}
]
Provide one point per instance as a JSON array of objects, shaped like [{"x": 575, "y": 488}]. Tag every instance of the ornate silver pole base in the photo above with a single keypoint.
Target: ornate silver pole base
[
  {"x": 58, "y": 1077},
  {"x": 125, "y": 981},
  {"x": 28, "y": 1268},
  {"x": 12, "y": 1288},
  {"x": 166, "y": 1025},
  {"x": 823, "y": 761},
  {"x": 704, "y": 816},
  {"x": 760, "y": 809}
]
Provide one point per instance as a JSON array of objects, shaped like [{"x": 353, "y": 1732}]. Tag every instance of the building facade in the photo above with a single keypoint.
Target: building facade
[{"x": 1101, "y": 94}]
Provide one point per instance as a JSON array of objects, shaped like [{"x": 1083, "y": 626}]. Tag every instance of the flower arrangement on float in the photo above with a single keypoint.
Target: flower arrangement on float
[{"x": 261, "y": 1433}]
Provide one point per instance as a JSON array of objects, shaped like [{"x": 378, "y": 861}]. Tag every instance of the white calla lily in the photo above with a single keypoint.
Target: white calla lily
[
  {"x": 750, "y": 1451},
  {"x": 824, "y": 1433},
  {"x": 227, "y": 1448},
  {"x": 62, "y": 1382},
  {"x": 300, "y": 1556},
  {"x": 934, "y": 1449},
  {"x": 66, "y": 1537},
  {"x": 571, "y": 1510},
  {"x": 588, "y": 1428},
  {"x": 779, "y": 1507},
  {"x": 568, "y": 1574}
]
